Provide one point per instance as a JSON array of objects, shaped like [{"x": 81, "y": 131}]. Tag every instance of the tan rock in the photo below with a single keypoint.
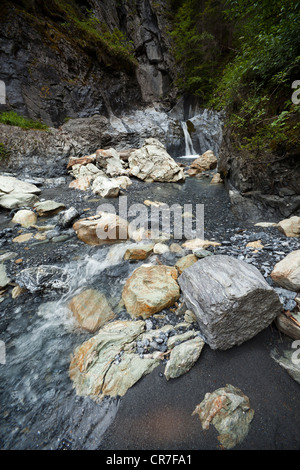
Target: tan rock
[
  {"x": 206, "y": 161},
  {"x": 256, "y": 245},
  {"x": 216, "y": 179},
  {"x": 25, "y": 217},
  {"x": 101, "y": 229},
  {"x": 25, "y": 237},
  {"x": 199, "y": 243},
  {"x": 150, "y": 289},
  {"x": 82, "y": 183},
  {"x": 81, "y": 161},
  {"x": 139, "y": 252},
  {"x": 290, "y": 227},
  {"x": 17, "y": 291},
  {"x": 160, "y": 248},
  {"x": 91, "y": 309},
  {"x": 286, "y": 273},
  {"x": 185, "y": 262}
]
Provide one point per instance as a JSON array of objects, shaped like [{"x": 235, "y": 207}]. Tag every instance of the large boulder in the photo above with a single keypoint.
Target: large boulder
[
  {"x": 101, "y": 229},
  {"x": 290, "y": 227},
  {"x": 105, "y": 187},
  {"x": 206, "y": 161},
  {"x": 96, "y": 372},
  {"x": 91, "y": 309},
  {"x": 230, "y": 298},
  {"x": 286, "y": 273},
  {"x": 150, "y": 289},
  {"x": 153, "y": 163}
]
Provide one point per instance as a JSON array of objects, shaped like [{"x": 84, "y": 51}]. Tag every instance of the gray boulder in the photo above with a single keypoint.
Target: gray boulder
[{"x": 230, "y": 298}]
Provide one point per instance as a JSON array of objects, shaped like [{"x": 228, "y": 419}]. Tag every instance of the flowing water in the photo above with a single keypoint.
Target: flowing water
[{"x": 39, "y": 407}]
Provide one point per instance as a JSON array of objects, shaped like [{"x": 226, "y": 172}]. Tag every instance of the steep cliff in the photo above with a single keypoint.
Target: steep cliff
[{"x": 75, "y": 58}]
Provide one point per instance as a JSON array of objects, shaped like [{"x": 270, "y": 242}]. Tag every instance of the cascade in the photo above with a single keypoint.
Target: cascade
[{"x": 189, "y": 149}]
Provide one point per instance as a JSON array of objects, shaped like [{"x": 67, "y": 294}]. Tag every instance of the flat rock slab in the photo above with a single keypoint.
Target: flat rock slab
[
  {"x": 230, "y": 298},
  {"x": 94, "y": 370}
]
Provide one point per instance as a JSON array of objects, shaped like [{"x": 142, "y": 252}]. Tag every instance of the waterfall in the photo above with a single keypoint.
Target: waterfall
[{"x": 189, "y": 149}]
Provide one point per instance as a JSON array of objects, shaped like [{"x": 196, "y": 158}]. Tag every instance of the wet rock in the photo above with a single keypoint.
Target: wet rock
[
  {"x": 91, "y": 309},
  {"x": 150, "y": 289},
  {"x": 152, "y": 163},
  {"x": 4, "y": 280},
  {"x": 206, "y": 161},
  {"x": 290, "y": 227},
  {"x": 289, "y": 361},
  {"x": 139, "y": 252},
  {"x": 183, "y": 357},
  {"x": 66, "y": 217},
  {"x": 101, "y": 229},
  {"x": 43, "y": 277},
  {"x": 185, "y": 262},
  {"x": 228, "y": 410},
  {"x": 106, "y": 363},
  {"x": 202, "y": 253},
  {"x": 286, "y": 273},
  {"x": 48, "y": 208},
  {"x": 17, "y": 291},
  {"x": 231, "y": 300},
  {"x": 160, "y": 248},
  {"x": 25, "y": 218}
]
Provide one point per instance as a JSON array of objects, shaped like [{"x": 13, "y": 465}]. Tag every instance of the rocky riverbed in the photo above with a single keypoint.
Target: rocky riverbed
[{"x": 57, "y": 391}]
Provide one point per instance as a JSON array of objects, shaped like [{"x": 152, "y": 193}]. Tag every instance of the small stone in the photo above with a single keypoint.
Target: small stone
[
  {"x": 23, "y": 238},
  {"x": 24, "y": 217}
]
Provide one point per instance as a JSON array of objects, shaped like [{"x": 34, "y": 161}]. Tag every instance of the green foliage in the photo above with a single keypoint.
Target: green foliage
[
  {"x": 11, "y": 118},
  {"x": 199, "y": 30},
  {"x": 4, "y": 152},
  {"x": 255, "y": 87},
  {"x": 65, "y": 19}
]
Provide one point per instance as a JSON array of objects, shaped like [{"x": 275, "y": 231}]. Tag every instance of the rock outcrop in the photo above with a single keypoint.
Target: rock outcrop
[
  {"x": 231, "y": 300},
  {"x": 153, "y": 163}
]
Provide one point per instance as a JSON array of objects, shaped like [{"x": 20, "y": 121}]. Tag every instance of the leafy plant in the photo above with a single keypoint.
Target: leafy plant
[{"x": 11, "y": 118}]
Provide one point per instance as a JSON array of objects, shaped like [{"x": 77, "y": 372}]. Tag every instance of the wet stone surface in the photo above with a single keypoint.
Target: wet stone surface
[{"x": 39, "y": 406}]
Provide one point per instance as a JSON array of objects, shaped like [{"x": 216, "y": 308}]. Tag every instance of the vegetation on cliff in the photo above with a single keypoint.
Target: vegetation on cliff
[
  {"x": 75, "y": 22},
  {"x": 243, "y": 56}
]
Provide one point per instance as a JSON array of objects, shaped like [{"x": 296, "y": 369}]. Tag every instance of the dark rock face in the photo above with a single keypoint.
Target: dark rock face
[
  {"x": 267, "y": 188},
  {"x": 50, "y": 77}
]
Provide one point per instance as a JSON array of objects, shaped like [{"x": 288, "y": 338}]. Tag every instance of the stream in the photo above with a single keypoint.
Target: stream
[{"x": 39, "y": 407}]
